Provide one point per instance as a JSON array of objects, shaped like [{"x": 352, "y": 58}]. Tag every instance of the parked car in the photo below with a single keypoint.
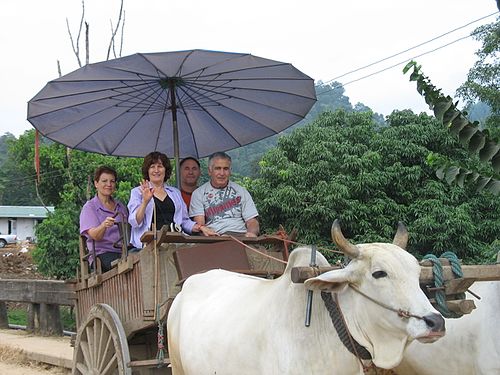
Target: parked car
[{"x": 6, "y": 239}]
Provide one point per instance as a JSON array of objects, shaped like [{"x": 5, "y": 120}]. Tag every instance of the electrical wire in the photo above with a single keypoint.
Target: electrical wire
[
  {"x": 392, "y": 66},
  {"x": 400, "y": 53}
]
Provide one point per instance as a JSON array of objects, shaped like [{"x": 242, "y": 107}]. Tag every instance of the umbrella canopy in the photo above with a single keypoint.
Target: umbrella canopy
[{"x": 185, "y": 103}]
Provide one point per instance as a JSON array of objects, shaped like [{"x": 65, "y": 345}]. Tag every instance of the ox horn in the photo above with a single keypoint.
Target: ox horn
[
  {"x": 347, "y": 248},
  {"x": 401, "y": 237}
]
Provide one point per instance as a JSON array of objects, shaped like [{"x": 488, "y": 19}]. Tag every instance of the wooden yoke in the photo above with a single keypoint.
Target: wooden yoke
[
  {"x": 482, "y": 272},
  {"x": 452, "y": 286}
]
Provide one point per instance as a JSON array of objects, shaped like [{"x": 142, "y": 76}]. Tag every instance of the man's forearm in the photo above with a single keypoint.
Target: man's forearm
[{"x": 253, "y": 226}]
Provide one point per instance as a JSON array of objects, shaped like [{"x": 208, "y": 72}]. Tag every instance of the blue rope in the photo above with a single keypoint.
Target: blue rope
[{"x": 437, "y": 270}]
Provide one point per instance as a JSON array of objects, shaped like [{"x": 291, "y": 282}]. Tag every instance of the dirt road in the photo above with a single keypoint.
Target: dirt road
[
  {"x": 30, "y": 369},
  {"x": 22, "y": 353}
]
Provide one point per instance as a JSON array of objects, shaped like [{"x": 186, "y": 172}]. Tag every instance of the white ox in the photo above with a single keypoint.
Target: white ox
[
  {"x": 226, "y": 323},
  {"x": 471, "y": 346}
]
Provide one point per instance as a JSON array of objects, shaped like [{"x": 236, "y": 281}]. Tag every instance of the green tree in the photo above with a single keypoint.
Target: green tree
[
  {"x": 477, "y": 141},
  {"x": 345, "y": 165},
  {"x": 331, "y": 96},
  {"x": 481, "y": 87},
  {"x": 16, "y": 187},
  {"x": 483, "y": 80},
  {"x": 66, "y": 183}
]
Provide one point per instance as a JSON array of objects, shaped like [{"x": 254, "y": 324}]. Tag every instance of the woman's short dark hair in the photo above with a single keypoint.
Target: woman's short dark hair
[
  {"x": 104, "y": 169},
  {"x": 154, "y": 157}
]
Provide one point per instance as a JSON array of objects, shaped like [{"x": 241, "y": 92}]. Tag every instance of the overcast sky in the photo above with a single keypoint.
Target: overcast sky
[{"x": 322, "y": 38}]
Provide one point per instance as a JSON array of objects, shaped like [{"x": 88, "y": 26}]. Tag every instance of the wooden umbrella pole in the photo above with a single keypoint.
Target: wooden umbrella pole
[
  {"x": 175, "y": 134},
  {"x": 157, "y": 276}
]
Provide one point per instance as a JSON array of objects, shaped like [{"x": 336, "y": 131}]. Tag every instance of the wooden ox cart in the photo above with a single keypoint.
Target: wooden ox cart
[{"x": 121, "y": 313}]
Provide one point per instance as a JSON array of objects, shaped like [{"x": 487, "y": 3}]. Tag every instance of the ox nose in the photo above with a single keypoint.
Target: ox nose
[{"x": 435, "y": 322}]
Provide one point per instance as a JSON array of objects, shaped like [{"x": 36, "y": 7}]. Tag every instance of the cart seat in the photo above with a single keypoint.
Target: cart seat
[{"x": 227, "y": 255}]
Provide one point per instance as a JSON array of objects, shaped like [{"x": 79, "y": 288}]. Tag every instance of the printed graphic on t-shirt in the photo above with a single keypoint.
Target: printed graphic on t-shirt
[{"x": 225, "y": 203}]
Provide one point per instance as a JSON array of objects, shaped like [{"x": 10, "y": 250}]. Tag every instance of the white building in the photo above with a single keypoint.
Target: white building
[{"x": 22, "y": 220}]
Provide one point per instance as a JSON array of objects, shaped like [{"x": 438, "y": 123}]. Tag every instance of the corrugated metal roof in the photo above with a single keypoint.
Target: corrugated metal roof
[{"x": 35, "y": 212}]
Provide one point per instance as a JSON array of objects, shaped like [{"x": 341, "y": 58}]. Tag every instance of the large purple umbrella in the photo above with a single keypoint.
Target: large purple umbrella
[{"x": 185, "y": 103}]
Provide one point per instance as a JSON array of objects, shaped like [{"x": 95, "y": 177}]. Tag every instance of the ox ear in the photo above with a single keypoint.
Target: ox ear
[{"x": 332, "y": 281}]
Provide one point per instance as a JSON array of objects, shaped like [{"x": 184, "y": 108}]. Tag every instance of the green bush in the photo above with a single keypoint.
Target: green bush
[{"x": 57, "y": 253}]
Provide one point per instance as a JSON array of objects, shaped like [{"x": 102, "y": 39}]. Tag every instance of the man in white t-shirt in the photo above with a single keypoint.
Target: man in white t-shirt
[{"x": 223, "y": 205}]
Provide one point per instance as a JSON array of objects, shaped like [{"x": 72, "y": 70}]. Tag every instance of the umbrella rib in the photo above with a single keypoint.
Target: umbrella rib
[
  {"x": 214, "y": 93},
  {"x": 198, "y": 72},
  {"x": 130, "y": 129},
  {"x": 102, "y": 125},
  {"x": 209, "y": 114},
  {"x": 191, "y": 52},
  {"x": 158, "y": 94},
  {"x": 132, "y": 94},
  {"x": 86, "y": 93},
  {"x": 248, "y": 68},
  {"x": 203, "y": 108}
]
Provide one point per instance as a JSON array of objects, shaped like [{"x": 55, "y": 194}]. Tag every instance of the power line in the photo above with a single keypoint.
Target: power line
[
  {"x": 32, "y": 178},
  {"x": 406, "y": 50},
  {"x": 393, "y": 66}
]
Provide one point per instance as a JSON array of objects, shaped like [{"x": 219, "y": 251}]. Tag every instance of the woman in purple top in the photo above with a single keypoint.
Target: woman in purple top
[
  {"x": 98, "y": 218},
  {"x": 170, "y": 207}
]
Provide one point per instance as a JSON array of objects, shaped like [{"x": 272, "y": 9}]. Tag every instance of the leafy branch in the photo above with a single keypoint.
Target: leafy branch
[{"x": 475, "y": 140}]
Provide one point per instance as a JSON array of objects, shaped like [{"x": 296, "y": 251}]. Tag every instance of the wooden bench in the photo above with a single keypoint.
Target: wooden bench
[
  {"x": 227, "y": 255},
  {"x": 206, "y": 253}
]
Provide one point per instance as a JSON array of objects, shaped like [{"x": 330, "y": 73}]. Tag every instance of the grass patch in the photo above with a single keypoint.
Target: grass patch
[
  {"x": 19, "y": 316},
  {"x": 68, "y": 318}
]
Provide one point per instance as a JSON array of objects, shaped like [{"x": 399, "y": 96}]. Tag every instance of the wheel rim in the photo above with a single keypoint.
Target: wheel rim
[
  {"x": 101, "y": 344},
  {"x": 2, "y": 243}
]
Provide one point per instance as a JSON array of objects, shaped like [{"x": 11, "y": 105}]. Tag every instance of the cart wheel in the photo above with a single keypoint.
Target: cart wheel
[{"x": 101, "y": 344}]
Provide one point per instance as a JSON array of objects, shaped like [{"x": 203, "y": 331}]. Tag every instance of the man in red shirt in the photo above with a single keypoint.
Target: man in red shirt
[{"x": 190, "y": 172}]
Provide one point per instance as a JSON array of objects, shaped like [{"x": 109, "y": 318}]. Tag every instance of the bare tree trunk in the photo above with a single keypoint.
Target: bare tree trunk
[
  {"x": 76, "y": 46},
  {"x": 113, "y": 33}
]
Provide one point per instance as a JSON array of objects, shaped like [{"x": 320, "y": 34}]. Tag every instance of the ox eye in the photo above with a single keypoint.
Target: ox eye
[{"x": 379, "y": 274}]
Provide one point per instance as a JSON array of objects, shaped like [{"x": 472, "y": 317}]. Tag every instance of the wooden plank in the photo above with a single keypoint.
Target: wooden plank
[
  {"x": 94, "y": 280},
  {"x": 37, "y": 291},
  {"x": 4, "y": 320},
  {"x": 147, "y": 280},
  {"x": 428, "y": 263},
  {"x": 481, "y": 272},
  {"x": 462, "y": 306},
  {"x": 125, "y": 265},
  {"x": 147, "y": 363},
  {"x": 456, "y": 286},
  {"x": 173, "y": 237}
]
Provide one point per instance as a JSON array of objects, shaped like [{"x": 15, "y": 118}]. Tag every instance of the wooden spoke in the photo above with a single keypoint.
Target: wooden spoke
[{"x": 101, "y": 345}]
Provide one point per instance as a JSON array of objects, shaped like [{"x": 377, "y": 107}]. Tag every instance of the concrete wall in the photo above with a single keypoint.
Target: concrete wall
[
  {"x": 23, "y": 227},
  {"x": 4, "y": 226},
  {"x": 26, "y": 229}
]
